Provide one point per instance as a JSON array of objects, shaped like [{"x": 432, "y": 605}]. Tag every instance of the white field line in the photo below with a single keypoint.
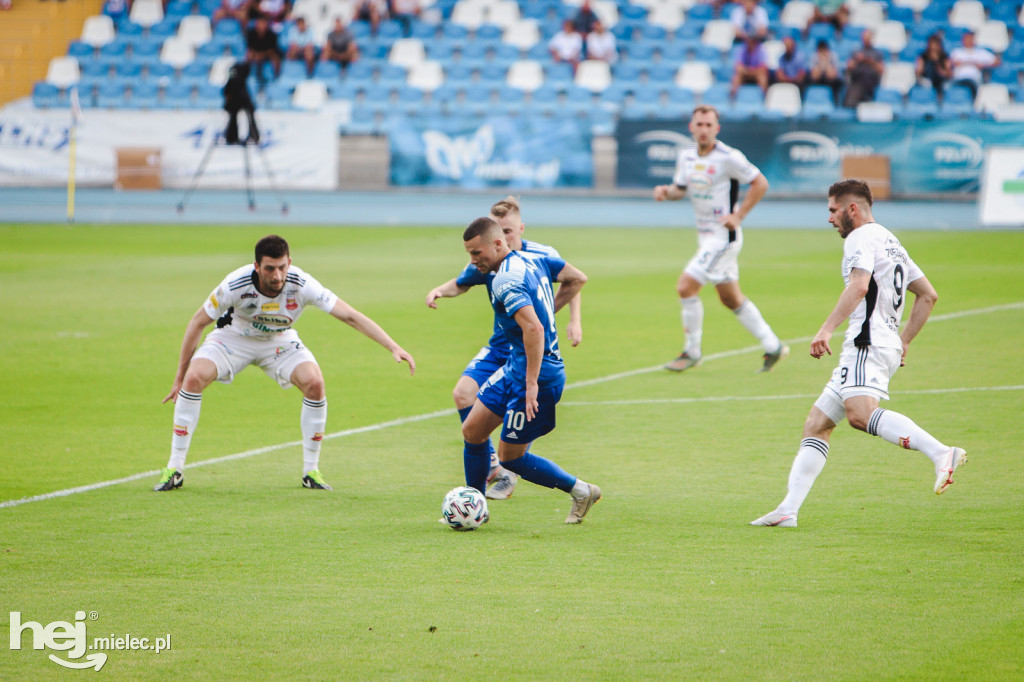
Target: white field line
[{"x": 579, "y": 384}]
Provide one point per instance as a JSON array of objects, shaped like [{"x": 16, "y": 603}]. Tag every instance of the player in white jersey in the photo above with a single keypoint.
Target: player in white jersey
[
  {"x": 711, "y": 173},
  {"x": 508, "y": 214},
  {"x": 878, "y": 273},
  {"x": 255, "y": 307}
]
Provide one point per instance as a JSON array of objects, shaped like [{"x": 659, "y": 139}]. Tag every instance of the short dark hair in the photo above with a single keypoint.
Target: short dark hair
[
  {"x": 271, "y": 246},
  {"x": 853, "y": 187},
  {"x": 705, "y": 109},
  {"x": 481, "y": 227}
]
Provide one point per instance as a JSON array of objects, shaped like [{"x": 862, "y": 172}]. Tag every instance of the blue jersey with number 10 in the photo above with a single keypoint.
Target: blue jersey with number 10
[{"x": 525, "y": 280}]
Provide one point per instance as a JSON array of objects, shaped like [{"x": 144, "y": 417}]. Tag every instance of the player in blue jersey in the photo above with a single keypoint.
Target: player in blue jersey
[
  {"x": 522, "y": 395},
  {"x": 492, "y": 357}
]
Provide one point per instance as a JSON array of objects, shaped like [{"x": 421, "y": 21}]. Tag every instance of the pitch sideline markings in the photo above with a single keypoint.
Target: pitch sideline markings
[{"x": 579, "y": 384}]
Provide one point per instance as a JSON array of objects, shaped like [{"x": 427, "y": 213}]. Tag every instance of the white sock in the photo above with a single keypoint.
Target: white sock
[
  {"x": 313, "y": 420},
  {"x": 750, "y": 317},
  {"x": 495, "y": 462},
  {"x": 693, "y": 324},
  {"x": 580, "y": 489},
  {"x": 901, "y": 430},
  {"x": 186, "y": 416},
  {"x": 810, "y": 460}
]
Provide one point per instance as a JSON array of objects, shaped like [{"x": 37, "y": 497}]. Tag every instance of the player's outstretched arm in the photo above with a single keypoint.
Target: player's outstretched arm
[
  {"x": 449, "y": 289},
  {"x": 533, "y": 344},
  {"x": 851, "y": 297},
  {"x": 925, "y": 298},
  {"x": 355, "y": 319},
  {"x": 570, "y": 281},
  {"x": 193, "y": 331},
  {"x": 669, "y": 193}
]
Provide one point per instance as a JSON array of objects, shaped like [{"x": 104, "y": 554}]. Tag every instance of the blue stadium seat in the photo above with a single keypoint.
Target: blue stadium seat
[
  {"x": 922, "y": 103},
  {"x": 390, "y": 30},
  {"x": 489, "y": 32},
  {"x": 817, "y": 102},
  {"x": 160, "y": 71},
  {"x": 749, "y": 101},
  {"x": 491, "y": 73},
  {"x": 129, "y": 29},
  {"x": 891, "y": 97},
  {"x": 682, "y": 98},
  {"x": 717, "y": 96},
  {"x": 653, "y": 32},
  {"x": 936, "y": 11},
  {"x": 115, "y": 49},
  {"x": 178, "y": 8},
  {"x": 626, "y": 71},
  {"x": 559, "y": 73},
  {"x": 95, "y": 68},
  {"x": 440, "y": 51},
  {"x": 816, "y": 32},
  {"x": 643, "y": 51},
  {"x": 1006, "y": 12},
  {"x": 424, "y": 31},
  {"x": 210, "y": 50},
  {"x": 144, "y": 95},
  {"x": 199, "y": 69},
  {"x": 129, "y": 68},
  {"x": 327, "y": 71},
  {"x": 337, "y": 90},
  {"x": 957, "y": 102},
  {"x": 146, "y": 47},
  {"x": 164, "y": 29},
  {"x": 80, "y": 50},
  {"x": 1007, "y": 74},
  {"x": 392, "y": 75},
  {"x": 45, "y": 95},
  {"x": 111, "y": 95},
  {"x": 904, "y": 15},
  {"x": 454, "y": 31},
  {"x": 700, "y": 13}
]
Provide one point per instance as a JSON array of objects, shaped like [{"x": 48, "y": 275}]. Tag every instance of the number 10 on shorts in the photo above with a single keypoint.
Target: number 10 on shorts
[{"x": 515, "y": 420}]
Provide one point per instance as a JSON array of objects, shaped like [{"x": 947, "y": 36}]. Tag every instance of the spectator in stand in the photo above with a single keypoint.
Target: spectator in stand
[
  {"x": 863, "y": 72},
  {"x": 792, "y": 65},
  {"x": 835, "y": 13},
  {"x": 585, "y": 19},
  {"x": 231, "y": 9},
  {"x": 372, "y": 12},
  {"x": 933, "y": 64},
  {"x": 601, "y": 44},
  {"x": 968, "y": 60},
  {"x": 405, "y": 12},
  {"x": 340, "y": 46},
  {"x": 566, "y": 45},
  {"x": 301, "y": 44},
  {"x": 824, "y": 69},
  {"x": 749, "y": 65},
  {"x": 276, "y": 12},
  {"x": 749, "y": 20},
  {"x": 261, "y": 46}
]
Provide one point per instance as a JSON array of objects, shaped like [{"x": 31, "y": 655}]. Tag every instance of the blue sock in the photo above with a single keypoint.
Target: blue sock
[
  {"x": 477, "y": 462},
  {"x": 541, "y": 471},
  {"x": 463, "y": 413}
]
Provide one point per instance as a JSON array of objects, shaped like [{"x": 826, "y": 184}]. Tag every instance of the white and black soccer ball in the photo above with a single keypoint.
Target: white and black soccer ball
[{"x": 465, "y": 508}]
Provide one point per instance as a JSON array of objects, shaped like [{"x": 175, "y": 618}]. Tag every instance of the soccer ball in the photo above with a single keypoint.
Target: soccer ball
[{"x": 465, "y": 508}]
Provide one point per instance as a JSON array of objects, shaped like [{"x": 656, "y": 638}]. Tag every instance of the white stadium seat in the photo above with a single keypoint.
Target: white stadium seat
[
  {"x": 527, "y": 75},
  {"x": 98, "y": 30},
  {"x": 916, "y": 5},
  {"x": 773, "y": 49},
  {"x": 407, "y": 52},
  {"x": 220, "y": 69},
  {"x": 523, "y": 34},
  {"x": 469, "y": 15},
  {"x": 784, "y": 98},
  {"x": 309, "y": 95},
  {"x": 195, "y": 30},
  {"x": 874, "y": 112},
  {"x": 695, "y": 76},
  {"x": 994, "y": 36},
  {"x": 719, "y": 33},
  {"x": 146, "y": 13},
  {"x": 990, "y": 97},
  {"x": 668, "y": 16},
  {"x": 967, "y": 13},
  {"x": 796, "y": 14},
  {"x": 899, "y": 76},
  {"x": 63, "y": 72},
  {"x": 503, "y": 13},
  {"x": 891, "y": 36},
  {"x": 427, "y": 76},
  {"x": 177, "y": 52},
  {"x": 1012, "y": 112},
  {"x": 867, "y": 14},
  {"x": 594, "y": 75}
]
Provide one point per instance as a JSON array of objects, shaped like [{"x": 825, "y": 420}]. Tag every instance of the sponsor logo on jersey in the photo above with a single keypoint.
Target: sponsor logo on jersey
[
  {"x": 290, "y": 291},
  {"x": 270, "y": 307},
  {"x": 290, "y": 304},
  {"x": 250, "y": 294},
  {"x": 180, "y": 430},
  {"x": 251, "y": 306},
  {"x": 276, "y": 320},
  {"x": 213, "y": 300}
]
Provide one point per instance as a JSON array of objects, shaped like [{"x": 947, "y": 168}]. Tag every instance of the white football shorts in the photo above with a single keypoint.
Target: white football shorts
[
  {"x": 715, "y": 262},
  {"x": 861, "y": 371},
  {"x": 277, "y": 356}
]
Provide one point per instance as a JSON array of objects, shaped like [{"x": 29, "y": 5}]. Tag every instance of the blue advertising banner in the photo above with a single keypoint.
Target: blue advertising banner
[
  {"x": 520, "y": 153},
  {"x": 804, "y": 157}
]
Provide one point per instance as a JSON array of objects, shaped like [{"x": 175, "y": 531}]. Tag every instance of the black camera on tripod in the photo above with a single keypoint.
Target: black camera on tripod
[{"x": 237, "y": 100}]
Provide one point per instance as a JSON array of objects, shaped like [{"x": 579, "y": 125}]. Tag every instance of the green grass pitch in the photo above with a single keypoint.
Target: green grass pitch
[{"x": 254, "y": 577}]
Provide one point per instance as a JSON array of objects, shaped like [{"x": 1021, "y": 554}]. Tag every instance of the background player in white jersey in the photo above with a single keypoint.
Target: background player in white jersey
[
  {"x": 878, "y": 273},
  {"x": 255, "y": 307},
  {"x": 711, "y": 173},
  {"x": 492, "y": 357}
]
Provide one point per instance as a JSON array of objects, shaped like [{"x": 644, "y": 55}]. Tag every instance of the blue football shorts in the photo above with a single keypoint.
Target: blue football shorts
[{"x": 507, "y": 398}]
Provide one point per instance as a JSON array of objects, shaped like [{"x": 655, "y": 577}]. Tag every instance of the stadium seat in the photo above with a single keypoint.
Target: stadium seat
[
  {"x": 874, "y": 112},
  {"x": 891, "y": 36},
  {"x": 502, "y": 13},
  {"x": 177, "y": 53},
  {"x": 719, "y": 33},
  {"x": 867, "y": 14},
  {"x": 63, "y": 72},
  {"x": 219, "y": 70},
  {"x": 913, "y": 5},
  {"x": 921, "y": 103},
  {"x": 899, "y": 76},
  {"x": 594, "y": 75},
  {"x": 967, "y": 13},
  {"x": 990, "y": 97},
  {"x": 310, "y": 95},
  {"x": 560, "y": 74},
  {"x": 406, "y": 52},
  {"x": 144, "y": 95},
  {"x": 666, "y": 15},
  {"x": 195, "y": 30},
  {"x": 522, "y": 34},
  {"x": 468, "y": 14},
  {"x": 526, "y": 75},
  {"x": 796, "y": 13},
  {"x": 773, "y": 49},
  {"x": 45, "y": 95},
  {"x": 783, "y": 98},
  {"x": 427, "y": 76},
  {"x": 817, "y": 102},
  {"x": 98, "y": 30},
  {"x": 147, "y": 13},
  {"x": 695, "y": 77},
  {"x": 111, "y": 95},
  {"x": 1010, "y": 112},
  {"x": 994, "y": 36},
  {"x": 956, "y": 103},
  {"x": 749, "y": 101}
]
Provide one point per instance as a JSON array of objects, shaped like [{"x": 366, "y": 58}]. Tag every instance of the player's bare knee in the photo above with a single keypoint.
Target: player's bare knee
[
  {"x": 463, "y": 397},
  {"x": 858, "y": 420}
]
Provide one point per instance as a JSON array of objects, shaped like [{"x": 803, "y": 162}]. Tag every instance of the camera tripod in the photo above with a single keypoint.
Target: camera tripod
[{"x": 249, "y": 191}]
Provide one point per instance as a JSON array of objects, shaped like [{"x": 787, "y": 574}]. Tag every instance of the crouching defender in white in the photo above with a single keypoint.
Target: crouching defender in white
[
  {"x": 878, "y": 273},
  {"x": 255, "y": 307}
]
